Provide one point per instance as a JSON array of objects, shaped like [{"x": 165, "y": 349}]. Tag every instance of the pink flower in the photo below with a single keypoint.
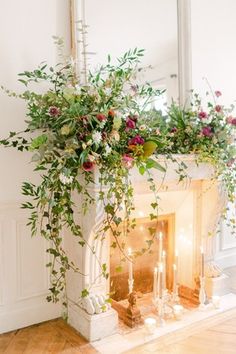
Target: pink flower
[
  {"x": 218, "y": 108},
  {"x": 137, "y": 140},
  {"x": 218, "y": 93},
  {"x": 207, "y": 131},
  {"x": 202, "y": 115},
  {"x": 88, "y": 166},
  {"x": 130, "y": 124},
  {"x": 229, "y": 119},
  {"x": 231, "y": 162},
  {"x": 127, "y": 161},
  {"x": 54, "y": 111},
  {"x": 101, "y": 117}
]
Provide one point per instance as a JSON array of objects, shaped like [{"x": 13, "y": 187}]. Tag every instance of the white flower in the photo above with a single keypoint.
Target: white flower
[
  {"x": 143, "y": 127},
  {"x": 108, "y": 91},
  {"x": 89, "y": 143},
  {"x": 97, "y": 137},
  {"x": 65, "y": 179},
  {"x": 107, "y": 150}
]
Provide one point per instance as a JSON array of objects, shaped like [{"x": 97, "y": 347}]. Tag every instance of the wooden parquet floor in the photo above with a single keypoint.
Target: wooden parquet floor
[
  {"x": 52, "y": 337},
  {"x": 56, "y": 337}
]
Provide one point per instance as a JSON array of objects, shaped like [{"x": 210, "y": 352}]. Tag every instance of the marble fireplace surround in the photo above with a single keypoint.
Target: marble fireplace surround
[{"x": 194, "y": 203}]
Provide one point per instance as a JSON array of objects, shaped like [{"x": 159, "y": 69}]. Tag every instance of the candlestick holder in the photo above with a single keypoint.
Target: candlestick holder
[
  {"x": 202, "y": 293},
  {"x": 160, "y": 307},
  {"x": 131, "y": 285},
  {"x": 175, "y": 295}
]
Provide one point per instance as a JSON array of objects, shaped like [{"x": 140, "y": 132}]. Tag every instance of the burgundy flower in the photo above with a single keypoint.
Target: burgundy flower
[
  {"x": 218, "y": 108},
  {"x": 202, "y": 115},
  {"x": 233, "y": 121},
  {"x": 130, "y": 124},
  {"x": 218, "y": 93},
  {"x": 173, "y": 130},
  {"x": 137, "y": 140},
  {"x": 127, "y": 161},
  {"x": 101, "y": 117},
  {"x": 207, "y": 131},
  {"x": 133, "y": 117},
  {"x": 54, "y": 111},
  {"x": 88, "y": 166}
]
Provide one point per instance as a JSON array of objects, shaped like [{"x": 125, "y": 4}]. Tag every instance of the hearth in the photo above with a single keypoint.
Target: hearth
[{"x": 143, "y": 264}]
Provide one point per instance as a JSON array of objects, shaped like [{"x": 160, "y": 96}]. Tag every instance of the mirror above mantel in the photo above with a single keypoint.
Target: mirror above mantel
[{"x": 113, "y": 27}]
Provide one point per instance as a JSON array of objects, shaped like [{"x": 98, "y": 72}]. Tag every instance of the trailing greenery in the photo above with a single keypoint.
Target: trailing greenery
[{"x": 73, "y": 130}]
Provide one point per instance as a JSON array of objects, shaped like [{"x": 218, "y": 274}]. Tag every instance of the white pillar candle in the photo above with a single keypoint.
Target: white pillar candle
[
  {"x": 202, "y": 272},
  {"x": 130, "y": 264},
  {"x": 164, "y": 270},
  {"x": 155, "y": 283},
  {"x": 150, "y": 325},
  {"x": 216, "y": 301},
  {"x": 178, "y": 311}
]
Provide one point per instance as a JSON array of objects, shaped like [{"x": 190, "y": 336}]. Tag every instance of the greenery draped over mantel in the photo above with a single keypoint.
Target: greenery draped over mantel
[{"x": 108, "y": 124}]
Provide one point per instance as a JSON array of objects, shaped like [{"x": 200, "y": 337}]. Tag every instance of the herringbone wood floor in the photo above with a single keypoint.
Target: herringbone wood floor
[{"x": 55, "y": 337}]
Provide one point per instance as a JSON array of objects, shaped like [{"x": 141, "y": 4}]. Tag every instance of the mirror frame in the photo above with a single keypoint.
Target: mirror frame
[{"x": 77, "y": 11}]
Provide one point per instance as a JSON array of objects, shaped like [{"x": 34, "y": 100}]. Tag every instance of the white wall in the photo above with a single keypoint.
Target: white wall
[
  {"x": 213, "y": 46},
  {"x": 213, "y": 29},
  {"x": 26, "y": 30}
]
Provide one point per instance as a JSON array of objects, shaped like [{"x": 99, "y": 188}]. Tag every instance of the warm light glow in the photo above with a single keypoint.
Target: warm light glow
[
  {"x": 201, "y": 249},
  {"x": 155, "y": 270},
  {"x": 174, "y": 266},
  {"x": 176, "y": 253},
  {"x": 141, "y": 213},
  {"x": 163, "y": 254},
  {"x": 141, "y": 228},
  {"x": 129, "y": 251},
  {"x": 161, "y": 268},
  {"x": 160, "y": 235}
]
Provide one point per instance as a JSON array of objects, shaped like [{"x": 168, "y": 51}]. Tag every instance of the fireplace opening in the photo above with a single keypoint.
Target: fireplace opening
[{"x": 144, "y": 264}]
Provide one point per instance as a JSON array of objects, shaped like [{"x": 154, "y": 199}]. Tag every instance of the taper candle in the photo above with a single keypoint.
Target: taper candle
[
  {"x": 155, "y": 283},
  {"x": 130, "y": 264},
  {"x": 164, "y": 270},
  {"x": 160, "y": 243},
  {"x": 202, "y": 273},
  {"x": 174, "y": 278}
]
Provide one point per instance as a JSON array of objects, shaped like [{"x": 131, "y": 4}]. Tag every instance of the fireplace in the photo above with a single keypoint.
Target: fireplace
[
  {"x": 143, "y": 264},
  {"x": 185, "y": 214}
]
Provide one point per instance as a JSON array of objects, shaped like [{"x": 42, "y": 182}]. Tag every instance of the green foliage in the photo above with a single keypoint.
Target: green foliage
[{"x": 76, "y": 128}]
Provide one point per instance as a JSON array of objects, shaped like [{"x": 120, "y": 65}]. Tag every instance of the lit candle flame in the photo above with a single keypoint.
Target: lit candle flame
[
  {"x": 129, "y": 251},
  {"x": 174, "y": 266},
  {"x": 201, "y": 249}
]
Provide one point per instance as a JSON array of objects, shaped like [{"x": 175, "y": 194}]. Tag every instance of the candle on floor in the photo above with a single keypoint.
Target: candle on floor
[
  {"x": 202, "y": 273},
  {"x": 155, "y": 283},
  {"x": 178, "y": 312},
  {"x": 164, "y": 270},
  {"x": 150, "y": 325}
]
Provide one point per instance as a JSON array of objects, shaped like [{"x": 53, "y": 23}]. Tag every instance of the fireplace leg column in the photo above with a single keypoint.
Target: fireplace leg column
[{"x": 91, "y": 315}]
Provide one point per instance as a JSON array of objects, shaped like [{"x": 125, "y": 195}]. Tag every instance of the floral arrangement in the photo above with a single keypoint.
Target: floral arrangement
[{"x": 105, "y": 125}]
